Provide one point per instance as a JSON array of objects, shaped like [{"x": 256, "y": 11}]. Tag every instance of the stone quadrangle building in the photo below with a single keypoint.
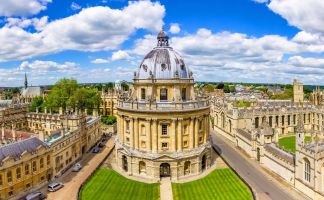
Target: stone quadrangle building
[
  {"x": 163, "y": 127},
  {"x": 256, "y": 130}
]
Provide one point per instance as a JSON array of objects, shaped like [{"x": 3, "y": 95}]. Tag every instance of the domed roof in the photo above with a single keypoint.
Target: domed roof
[{"x": 163, "y": 62}]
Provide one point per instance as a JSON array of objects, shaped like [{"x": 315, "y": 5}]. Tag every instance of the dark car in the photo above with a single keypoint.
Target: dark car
[
  {"x": 101, "y": 145},
  {"x": 95, "y": 150},
  {"x": 37, "y": 195}
]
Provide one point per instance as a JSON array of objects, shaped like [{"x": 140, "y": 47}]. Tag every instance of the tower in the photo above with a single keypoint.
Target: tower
[
  {"x": 300, "y": 132},
  {"x": 298, "y": 92},
  {"x": 26, "y": 82}
]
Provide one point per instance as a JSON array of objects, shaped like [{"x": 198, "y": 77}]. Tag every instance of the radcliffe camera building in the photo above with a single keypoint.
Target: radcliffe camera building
[{"x": 163, "y": 127}]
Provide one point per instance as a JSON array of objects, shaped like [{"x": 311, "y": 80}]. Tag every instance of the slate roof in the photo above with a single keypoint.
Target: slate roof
[
  {"x": 14, "y": 150},
  {"x": 31, "y": 92}
]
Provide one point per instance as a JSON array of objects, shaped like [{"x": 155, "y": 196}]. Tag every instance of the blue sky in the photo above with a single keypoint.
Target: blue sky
[{"x": 264, "y": 41}]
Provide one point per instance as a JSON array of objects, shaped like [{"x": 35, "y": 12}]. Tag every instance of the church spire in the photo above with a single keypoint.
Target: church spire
[{"x": 26, "y": 82}]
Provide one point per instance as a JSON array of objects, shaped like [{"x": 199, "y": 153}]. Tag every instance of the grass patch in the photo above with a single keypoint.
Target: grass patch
[
  {"x": 108, "y": 184},
  {"x": 289, "y": 143},
  {"x": 219, "y": 184}
]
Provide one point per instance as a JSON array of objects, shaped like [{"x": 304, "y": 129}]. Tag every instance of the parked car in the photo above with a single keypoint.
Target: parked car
[
  {"x": 37, "y": 195},
  {"x": 77, "y": 167},
  {"x": 95, "y": 150},
  {"x": 54, "y": 186},
  {"x": 101, "y": 145}
]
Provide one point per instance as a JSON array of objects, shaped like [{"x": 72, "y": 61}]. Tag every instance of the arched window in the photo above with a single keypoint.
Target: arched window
[
  {"x": 187, "y": 168},
  {"x": 223, "y": 120},
  {"x": 9, "y": 176},
  {"x": 125, "y": 163},
  {"x": 307, "y": 171},
  {"x": 41, "y": 163},
  {"x": 142, "y": 167},
  {"x": 256, "y": 122},
  {"x": 230, "y": 125},
  {"x": 143, "y": 93}
]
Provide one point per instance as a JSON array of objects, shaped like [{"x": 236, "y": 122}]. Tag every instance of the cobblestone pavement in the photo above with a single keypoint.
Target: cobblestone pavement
[
  {"x": 265, "y": 186},
  {"x": 73, "y": 180}
]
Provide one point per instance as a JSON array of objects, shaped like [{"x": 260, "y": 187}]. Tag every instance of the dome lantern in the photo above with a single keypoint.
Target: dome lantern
[{"x": 163, "y": 39}]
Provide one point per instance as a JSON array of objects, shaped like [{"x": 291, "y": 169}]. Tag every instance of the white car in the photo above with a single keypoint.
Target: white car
[
  {"x": 77, "y": 167},
  {"x": 52, "y": 187}
]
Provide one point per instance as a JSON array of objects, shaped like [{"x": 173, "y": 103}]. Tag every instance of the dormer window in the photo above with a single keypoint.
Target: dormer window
[
  {"x": 164, "y": 94},
  {"x": 182, "y": 66}
]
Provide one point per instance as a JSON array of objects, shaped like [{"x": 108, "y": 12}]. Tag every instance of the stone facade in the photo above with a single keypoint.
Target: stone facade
[
  {"x": 256, "y": 130},
  {"x": 163, "y": 127}
]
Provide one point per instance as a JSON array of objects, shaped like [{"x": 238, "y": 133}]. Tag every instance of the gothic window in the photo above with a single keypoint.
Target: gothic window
[
  {"x": 277, "y": 120},
  {"x": 270, "y": 121},
  {"x": 163, "y": 94},
  {"x": 257, "y": 122},
  {"x": 142, "y": 93},
  {"x": 164, "y": 129},
  {"x": 283, "y": 120},
  {"x": 307, "y": 170},
  {"x": 288, "y": 120},
  {"x": 41, "y": 163},
  {"x": 127, "y": 125},
  {"x": 294, "y": 119}
]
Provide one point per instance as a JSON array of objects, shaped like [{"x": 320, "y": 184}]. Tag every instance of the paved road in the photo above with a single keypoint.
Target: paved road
[
  {"x": 265, "y": 187},
  {"x": 73, "y": 180}
]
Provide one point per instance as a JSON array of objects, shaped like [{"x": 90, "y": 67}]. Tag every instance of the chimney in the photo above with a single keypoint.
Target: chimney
[
  {"x": 45, "y": 110},
  {"x": 36, "y": 109},
  {"x": 95, "y": 112},
  {"x": 61, "y": 111},
  {"x": 86, "y": 111},
  {"x": 41, "y": 136},
  {"x": 62, "y": 132}
]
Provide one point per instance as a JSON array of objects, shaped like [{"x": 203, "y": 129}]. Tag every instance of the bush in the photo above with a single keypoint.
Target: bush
[{"x": 108, "y": 120}]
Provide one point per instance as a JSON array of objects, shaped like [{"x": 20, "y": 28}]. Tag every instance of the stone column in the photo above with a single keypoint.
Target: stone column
[
  {"x": 206, "y": 128},
  {"x": 136, "y": 134},
  {"x": 148, "y": 133},
  {"x": 173, "y": 134},
  {"x": 122, "y": 132},
  {"x": 155, "y": 136},
  {"x": 180, "y": 134},
  {"x": 196, "y": 132},
  {"x": 191, "y": 133},
  {"x": 131, "y": 132}
]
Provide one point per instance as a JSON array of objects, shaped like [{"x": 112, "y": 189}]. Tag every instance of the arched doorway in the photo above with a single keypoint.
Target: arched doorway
[
  {"x": 165, "y": 170},
  {"x": 258, "y": 154},
  {"x": 142, "y": 167},
  {"x": 187, "y": 168},
  {"x": 124, "y": 163},
  {"x": 203, "y": 163}
]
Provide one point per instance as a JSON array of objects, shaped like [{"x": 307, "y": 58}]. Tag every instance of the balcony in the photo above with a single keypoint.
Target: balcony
[{"x": 147, "y": 106}]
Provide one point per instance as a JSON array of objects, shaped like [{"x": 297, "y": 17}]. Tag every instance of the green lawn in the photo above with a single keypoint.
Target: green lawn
[
  {"x": 107, "y": 184},
  {"x": 289, "y": 143},
  {"x": 219, "y": 184}
]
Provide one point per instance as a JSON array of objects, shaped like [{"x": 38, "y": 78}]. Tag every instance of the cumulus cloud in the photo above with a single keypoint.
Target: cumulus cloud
[
  {"x": 306, "y": 15},
  {"x": 174, "y": 28},
  {"x": 92, "y": 29},
  {"x": 22, "y": 8},
  {"x": 37, "y": 23},
  {"x": 45, "y": 66},
  {"x": 100, "y": 61},
  {"x": 120, "y": 55},
  {"x": 306, "y": 62}
]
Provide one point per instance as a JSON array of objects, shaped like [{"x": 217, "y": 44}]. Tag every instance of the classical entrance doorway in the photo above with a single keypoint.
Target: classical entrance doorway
[
  {"x": 165, "y": 170},
  {"x": 124, "y": 163}
]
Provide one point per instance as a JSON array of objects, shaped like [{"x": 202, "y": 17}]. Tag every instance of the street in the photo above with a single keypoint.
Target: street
[{"x": 265, "y": 186}]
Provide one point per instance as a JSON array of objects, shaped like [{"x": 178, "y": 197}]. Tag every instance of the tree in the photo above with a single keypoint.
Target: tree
[
  {"x": 37, "y": 102},
  {"x": 124, "y": 86},
  {"x": 108, "y": 120}
]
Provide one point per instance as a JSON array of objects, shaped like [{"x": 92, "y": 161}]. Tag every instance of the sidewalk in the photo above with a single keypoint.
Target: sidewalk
[
  {"x": 166, "y": 189},
  {"x": 73, "y": 180}
]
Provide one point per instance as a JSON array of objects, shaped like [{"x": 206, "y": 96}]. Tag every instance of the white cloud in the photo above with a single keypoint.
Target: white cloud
[
  {"x": 261, "y": 1},
  {"x": 174, "y": 28},
  {"x": 46, "y": 66},
  {"x": 92, "y": 29},
  {"x": 120, "y": 55},
  {"x": 22, "y": 8},
  {"x": 75, "y": 6},
  {"x": 306, "y": 15},
  {"x": 39, "y": 24},
  {"x": 100, "y": 61},
  {"x": 306, "y": 62}
]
